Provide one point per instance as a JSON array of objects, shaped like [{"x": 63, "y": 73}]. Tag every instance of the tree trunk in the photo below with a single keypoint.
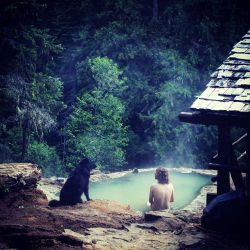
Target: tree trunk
[
  {"x": 155, "y": 10},
  {"x": 24, "y": 139}
]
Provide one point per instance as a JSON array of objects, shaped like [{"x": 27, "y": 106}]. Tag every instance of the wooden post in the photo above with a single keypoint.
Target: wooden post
[
  {"x": 236, "y": 175},
  {"x": 223, "y": 180},
  {"x": 248, "y": 163}
]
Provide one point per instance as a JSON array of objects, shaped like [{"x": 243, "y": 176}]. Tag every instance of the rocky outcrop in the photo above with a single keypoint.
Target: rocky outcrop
[
  {"x": 29, "y": 226},
  {"x": 99, "y": 176},
  {"x": 15, "y": 176},
  {"x": 26, "y": 222}
]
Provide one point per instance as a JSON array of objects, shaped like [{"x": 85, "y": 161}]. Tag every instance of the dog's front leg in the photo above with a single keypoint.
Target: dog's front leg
[{"x": 87, "y": 195}]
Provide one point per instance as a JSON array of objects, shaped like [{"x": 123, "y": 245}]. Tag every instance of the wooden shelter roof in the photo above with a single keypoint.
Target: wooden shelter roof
[{"x": 228, "y": 91}]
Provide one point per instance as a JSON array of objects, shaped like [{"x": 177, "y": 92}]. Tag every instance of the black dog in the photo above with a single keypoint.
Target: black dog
[{"x": 76, "y": 184}]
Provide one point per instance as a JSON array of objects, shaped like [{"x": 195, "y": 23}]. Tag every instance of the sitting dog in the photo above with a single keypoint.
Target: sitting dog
[{"x": 76, "y": 184}]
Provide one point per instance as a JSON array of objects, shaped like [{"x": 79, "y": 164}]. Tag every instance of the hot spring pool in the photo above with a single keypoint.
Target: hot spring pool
[{"x": 133, "y": 189}]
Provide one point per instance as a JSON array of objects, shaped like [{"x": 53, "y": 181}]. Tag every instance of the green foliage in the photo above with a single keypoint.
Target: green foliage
[
  {"x": 102, "y": 79},
  {"x": 46, "y": 157},
  {"x": 10, "y": 144},
  {"x": 107, "y": 76},
  {"x": 34, "y": 95},
  {"x": 95, "y": 128},
  {"x": 172, "y": 98}
]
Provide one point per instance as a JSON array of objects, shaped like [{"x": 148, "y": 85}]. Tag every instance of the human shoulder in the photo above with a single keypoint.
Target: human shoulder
[{"x": 154, "y": 185}]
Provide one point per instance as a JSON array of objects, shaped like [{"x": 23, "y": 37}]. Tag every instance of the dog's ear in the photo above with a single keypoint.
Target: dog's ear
[
  {"x": 92, "y": 165},
  {"x": 84, "y": 162}
]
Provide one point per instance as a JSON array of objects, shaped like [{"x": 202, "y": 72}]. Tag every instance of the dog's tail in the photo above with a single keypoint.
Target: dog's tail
[{"x": 54, "y": 203}]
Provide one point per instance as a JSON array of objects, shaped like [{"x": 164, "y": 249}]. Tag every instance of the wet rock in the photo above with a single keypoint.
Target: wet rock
[
  {"x": 164, "y": 221},
  {"x": 99, "y": 176},
  {"x": 119, "y": 174},
  {"x": 95, "y": 171},
  {"x": 189, "y": 170},
  {"x": 135, "y": 171},
  {"x": 60, "y": 180},
  {"x": 50, "y": 188},
  {"x": 199, "y": 203},
  {"x": 154, "y": 215}
]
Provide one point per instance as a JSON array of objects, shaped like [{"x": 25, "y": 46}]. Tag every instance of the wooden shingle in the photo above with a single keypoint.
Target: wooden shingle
[
  {"x": 240, "y": 56},
  {"x": 239, "y": 50},
  {"x": 244, "y": 81},
  {"x": 236, "y": 106},
  {"x": 241, "y": 45},
  {"x": 246, "y": 75},
  {"x": 245, "y": 41},
  {"x": 235, "y": 62},
  {"x": 228, "y": 91},
  {"x": 243, "y": 67}
]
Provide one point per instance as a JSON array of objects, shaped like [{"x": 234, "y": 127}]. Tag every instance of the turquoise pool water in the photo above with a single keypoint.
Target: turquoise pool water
[{"x": 133, "y": 189}]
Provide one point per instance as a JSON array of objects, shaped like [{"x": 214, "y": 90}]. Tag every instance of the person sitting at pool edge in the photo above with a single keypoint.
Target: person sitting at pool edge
[{"x": 162, "y": 193}]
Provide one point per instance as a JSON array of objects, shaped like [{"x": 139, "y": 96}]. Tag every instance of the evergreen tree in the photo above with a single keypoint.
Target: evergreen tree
[
  {"x": 95, "y": 128},
  {"x": 123, "y": 68}
]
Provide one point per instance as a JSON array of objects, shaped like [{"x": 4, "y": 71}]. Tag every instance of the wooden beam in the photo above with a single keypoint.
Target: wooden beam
[
  {"x": 229, "y": 163},
  {"x": 235, "y": 143},
  {"x": 242, "y": 155},
  {"x": 240, "y": 139},
  {"x": 223, "y": 179},
  {"x": 217, "y": 166},
  {"x": 236, "y": 175},
  {"x": 248, "y": 162},
  {"x": 216, "y": 118}
]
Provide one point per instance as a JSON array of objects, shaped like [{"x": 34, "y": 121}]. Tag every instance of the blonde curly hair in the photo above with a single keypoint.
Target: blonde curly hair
[{"x": 161, "y": 174}]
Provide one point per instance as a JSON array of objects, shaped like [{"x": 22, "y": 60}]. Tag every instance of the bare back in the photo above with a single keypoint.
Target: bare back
[{"x": 161, "y": 195}]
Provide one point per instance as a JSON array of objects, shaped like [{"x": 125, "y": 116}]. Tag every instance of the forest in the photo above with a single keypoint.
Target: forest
[{"x": 106, "y": 79}]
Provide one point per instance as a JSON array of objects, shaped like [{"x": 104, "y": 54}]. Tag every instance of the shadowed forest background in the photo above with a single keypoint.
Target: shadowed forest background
[{"x": 106, "y": 79}]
